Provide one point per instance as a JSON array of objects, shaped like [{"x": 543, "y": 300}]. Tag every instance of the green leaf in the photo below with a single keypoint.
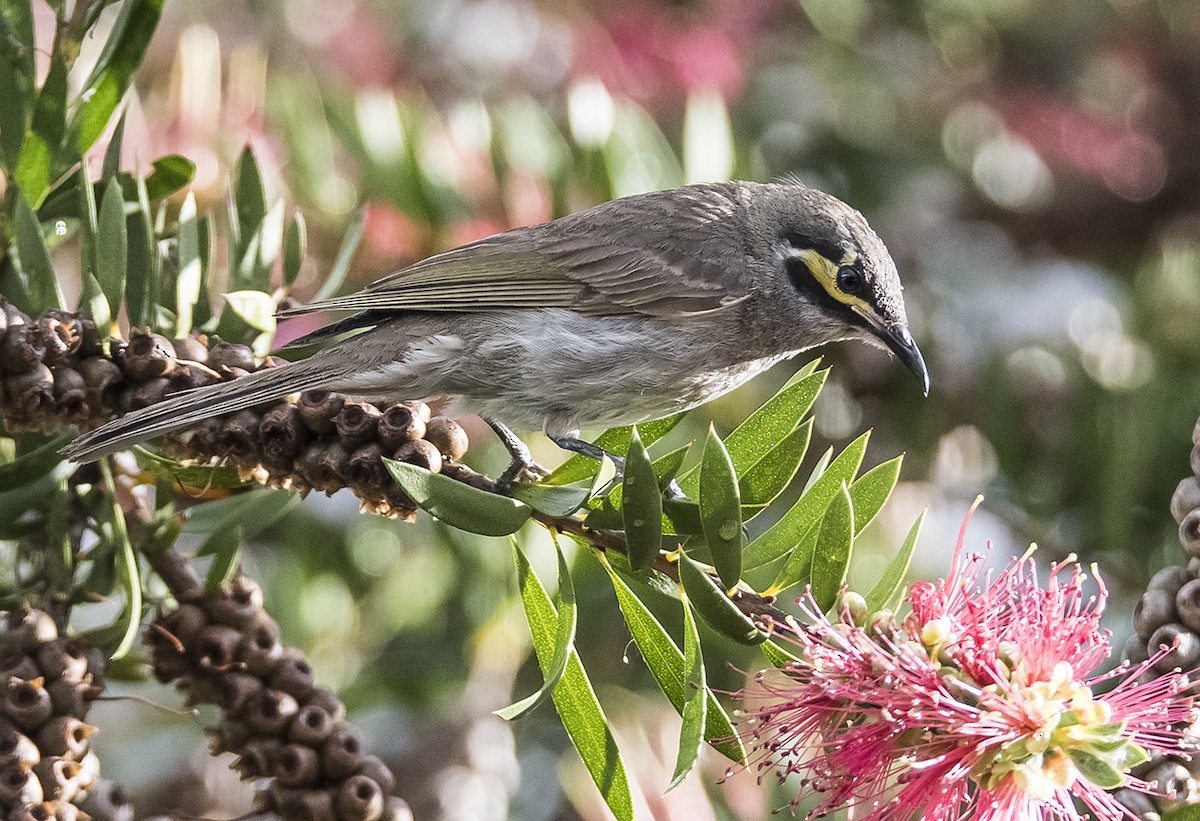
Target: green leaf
[
  {"x": 714, "y": 606},
  {"x": 576, "y": 703},
  {"x": 834, "y": 545},
  {"x": 641, "y": 508},
  {"x": 550, "y": 499},
  {"x": 783, "y": 536},
  {"x": 818, "y": 470},
  {"x": 256, "y": 309},
  {"x": 1095, "y": 769},
  {"x": 122, "y": 53},
  {"x": 564, "y": 637},
  {"x": 666, "y": 662},
  {"x": 889, "y": 583},
  {"x": 140, "y": 267},
  {"x": 295, "y": 246},
  {"x": 17, "y": 91},
  {"x": 721, "y": 510},
  {"x": 776, "y": 654},
  {"x": 341, "y": 265},
  {"x": 88, "y": 221},
  {"x": 112, "y": 245},
  {"x": 190, "y": 278},
  {"x": 665, "y": 469},
  {"x": 33, "y": 465},
  {"x": 253, "y": 511},
  {"x": 92, "y": 302},
  {"x": 128, "y": 571},
  {"x": 1187, "y": 812},
  {"x": 769, "y": 476},
  {"x": 615, "y": 441},
  {"x": 250, "y": 204},
  {"x": 40, "y": 278},
  {"x": 871, "y": 490},
  {"x": 35, "y": 164},
  {"x": 695, "y": 704},
  {"x": 225, "y": 546},
  {"x": 761, "y": 433},
  {"x": 205, "y": 477},
  {"x": 171, "y": 173},
  {"x": 112, "y": 152},
  {"x": 457, "y": 504}
]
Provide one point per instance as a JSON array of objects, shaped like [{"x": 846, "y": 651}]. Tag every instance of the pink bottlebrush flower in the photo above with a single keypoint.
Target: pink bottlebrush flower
[{"x": 978, "y": 705}]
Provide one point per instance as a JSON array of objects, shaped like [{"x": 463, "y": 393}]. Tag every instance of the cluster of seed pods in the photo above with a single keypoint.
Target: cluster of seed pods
[{"x": 289, "y": 734}]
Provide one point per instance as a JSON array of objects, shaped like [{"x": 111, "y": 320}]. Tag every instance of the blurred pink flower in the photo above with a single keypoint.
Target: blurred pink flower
[{"x": 978, "y": 705}]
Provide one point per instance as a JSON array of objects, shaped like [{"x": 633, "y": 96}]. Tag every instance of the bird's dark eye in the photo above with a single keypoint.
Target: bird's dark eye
[{"x": 849, "y": 280}]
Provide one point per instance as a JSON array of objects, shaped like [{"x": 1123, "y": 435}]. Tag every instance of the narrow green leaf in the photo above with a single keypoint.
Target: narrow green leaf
[
  {"x": 341, "y": 265},
  {"x": 666, "y": 663},
  {"x": 250, "y": 200},
  {"x": 256, "y": 308},
  {"x": 834, "y": 545},
  {"x": 92, "y": 302},
  {"x": 295, "y": 246},
  {"x": 776, "y": 654},
  {"x": 695, "y": 704},
  {"x": 665, "y": 469},
  {"x": 112, "y": 152},
  {"x": 1095, "y": 769},
  {"x": 1187, "y": 812},
  {"x": 187, "y": 284},
  {"x": 112, "y": 245},
  {"x": 252, "y": 511},
  {"x": 769, "y": 476},
  {"x": 551, "y": 499},
  {"x": 33, "y": 465},
  {"x": 889, "y": 583},
  {"x": 818, "y": 470},
  {"x": 457, "y": 504},
  {"x": 784, "y": 535},
  {"x": 577, "y": 706},
  {"x": 88, "y": 219},
  {"x": 871, "y": 490},
  {"x": 721, "y": 510},
  {"x": 35, "y": 164},
  {"x": 171, "y": 173},
  {"x": 40, "y": 278},
  {"x": 564, "y": 636},
  {"x": 641, "y": 508},
  {"x": 762, "y": 431},
  {"x": 17, "y": 91},
  {"x": 714, "y": 606},
  {"x": 139, "y": 268},
  {"x": 206, "y": 477},
  {"x": 122, "y": 53},
  {"x": 127, "y": 571},
  {"x": 615, "y": 441},
  {"x": 225, "y": 546}
]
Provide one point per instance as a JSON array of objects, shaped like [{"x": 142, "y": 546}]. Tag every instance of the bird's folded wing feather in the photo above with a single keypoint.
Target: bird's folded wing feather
[{"x": 656, "y": 255}]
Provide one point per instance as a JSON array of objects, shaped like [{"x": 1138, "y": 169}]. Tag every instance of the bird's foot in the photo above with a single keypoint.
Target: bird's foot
[{"x": 522, "y": 467}]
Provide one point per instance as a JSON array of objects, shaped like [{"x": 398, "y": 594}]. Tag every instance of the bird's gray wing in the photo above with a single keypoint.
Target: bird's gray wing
[{"x": 660, "y": 254}]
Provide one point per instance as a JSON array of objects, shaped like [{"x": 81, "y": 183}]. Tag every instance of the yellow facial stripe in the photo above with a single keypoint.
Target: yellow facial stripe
[{"x": 825, "y": 271}]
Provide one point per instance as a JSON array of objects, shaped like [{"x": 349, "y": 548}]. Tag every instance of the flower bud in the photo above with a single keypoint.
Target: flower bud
[
  {"x": 148, "y": 355},
  {"x": 421, "y": 453},
  {"x": 400, "y": 424},
  {"x": 342, "y": 752},
  {"x": 65, "y": 736},
  {"x": 448, "y": 437},
  {"x": 356, "y": 423},
  {"x": 297, "y": 766},
  {"x": 224, "y": 357},
  {"x": 1186, "y": 498},
  {"x": 318, "y": 409},
  {"x": 854, "y": 605},
  {"x": 21, "y": 348},
  {"x": 1154, "y": 609},
  {"x": 311, "y": 726},
  {"x": 1189, "y": 532},
  {"x": 359, "y": 799},
  {"x": 1184, "y": 644}
]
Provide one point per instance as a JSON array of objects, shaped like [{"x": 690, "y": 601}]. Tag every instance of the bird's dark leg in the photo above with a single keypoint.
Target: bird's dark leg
[
  {"x": 672, "y": 490},
  {"x": 522, "y": 463}
]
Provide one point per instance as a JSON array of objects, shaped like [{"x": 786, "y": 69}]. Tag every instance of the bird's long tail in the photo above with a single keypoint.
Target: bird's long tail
[{"x": 191, "y": 407}]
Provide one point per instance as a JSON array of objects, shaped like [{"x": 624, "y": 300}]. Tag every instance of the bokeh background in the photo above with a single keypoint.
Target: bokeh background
[{"x": 1034, "y": 166}]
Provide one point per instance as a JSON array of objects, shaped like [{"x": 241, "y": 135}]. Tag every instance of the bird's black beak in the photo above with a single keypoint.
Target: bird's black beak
[{"x": 900, "y": 342}]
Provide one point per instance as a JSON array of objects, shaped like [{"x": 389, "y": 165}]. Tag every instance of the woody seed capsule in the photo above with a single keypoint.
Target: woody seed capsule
[
  {"x": 60, "y": 336},
  {"x": 239, "y": 436},
  {"x": 31, "y": 392},
  {"x": 318, "y": 409},
  {"x": 1184, "y": 644},
  {"x": 366, "y": 468},
  {"x": 359, "y": 799},
  {"x": 1186, "y": 498},
  {"x": 228, "y": 355},
  {"x": 26, "y": 703},
  {"x": 283, "y": 435},
  {"x": 70, "y": 391},
  {"x": 311, "y": 726},
  {"x": 356, "y": 423},
  {"x": 341, "y": 754},
  {"x": 448, "y": 437},
  {"x": 150, "y": 392},
  {"x": 149, "y": 355},
  {"x": 190, "y": 349},
  {"x": 1189, "y": 532},
  {"x": 271, "y": 713},
  {"x": 421, "y": 453},
  {"x": 21, "y": 348},
  {"x": 400, "y": 424}
]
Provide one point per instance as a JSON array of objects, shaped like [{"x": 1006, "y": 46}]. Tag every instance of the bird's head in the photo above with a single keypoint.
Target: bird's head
[{"x": 825, "y": 251}]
